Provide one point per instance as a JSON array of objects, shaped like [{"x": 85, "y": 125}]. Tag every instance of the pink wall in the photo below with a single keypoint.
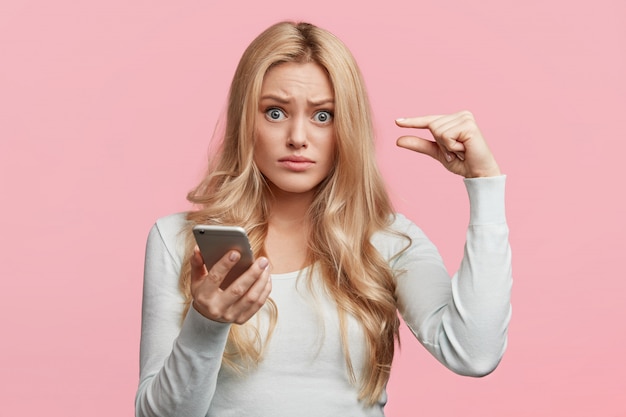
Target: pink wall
[{"x": 105, "y": 115}]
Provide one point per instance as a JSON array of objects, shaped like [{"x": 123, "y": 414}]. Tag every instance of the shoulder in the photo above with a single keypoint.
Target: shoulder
[
  {"x": 172, "y": 224},
  {"x": 399, "y": 225},
  {"x": 403, "y": 243},
  {"x": 397, "y": 236},
  {"x": 169, "y": 233}
]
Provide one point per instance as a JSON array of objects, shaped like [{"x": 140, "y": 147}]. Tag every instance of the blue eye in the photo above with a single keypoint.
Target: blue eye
[
  {"x": 323, "y": 116},
  {"x": 274, "y": 114}
]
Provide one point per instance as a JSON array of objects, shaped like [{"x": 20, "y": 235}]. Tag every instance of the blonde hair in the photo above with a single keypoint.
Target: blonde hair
[{"x": 350, "y": 205}]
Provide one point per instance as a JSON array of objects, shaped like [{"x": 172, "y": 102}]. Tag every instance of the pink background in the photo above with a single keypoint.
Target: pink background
[{"x": 106, "y": 109}]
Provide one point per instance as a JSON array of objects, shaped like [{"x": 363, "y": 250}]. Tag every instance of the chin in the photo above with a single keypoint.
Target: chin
[{"x": 291, "y": 188}]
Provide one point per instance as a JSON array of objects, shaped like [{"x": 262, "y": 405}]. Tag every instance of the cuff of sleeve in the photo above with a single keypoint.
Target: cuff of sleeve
[
  {"x": 486, "y": 197},
  {"x": 202, "y": 334}
]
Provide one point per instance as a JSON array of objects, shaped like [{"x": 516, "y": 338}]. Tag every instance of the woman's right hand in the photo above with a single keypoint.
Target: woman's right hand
[{"x": 240, "y": 300}]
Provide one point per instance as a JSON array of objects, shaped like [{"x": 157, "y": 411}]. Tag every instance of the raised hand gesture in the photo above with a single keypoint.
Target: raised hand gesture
[{"x": 459, "y": 145}]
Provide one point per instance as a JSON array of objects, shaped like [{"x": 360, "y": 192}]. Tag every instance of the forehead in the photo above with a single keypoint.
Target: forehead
[{"x": 291, "y": 78}]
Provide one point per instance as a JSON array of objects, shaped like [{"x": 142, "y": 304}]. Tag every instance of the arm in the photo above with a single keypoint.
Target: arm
[
  {"x": 178, "y": 365},
  {"x": 463, "y": 322}
]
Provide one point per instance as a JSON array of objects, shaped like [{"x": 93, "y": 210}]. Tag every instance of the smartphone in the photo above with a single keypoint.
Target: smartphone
[{"x": 215, "y": 241}]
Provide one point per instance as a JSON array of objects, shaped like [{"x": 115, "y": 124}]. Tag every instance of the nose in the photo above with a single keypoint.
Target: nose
[{"x": 297, "y": 134}]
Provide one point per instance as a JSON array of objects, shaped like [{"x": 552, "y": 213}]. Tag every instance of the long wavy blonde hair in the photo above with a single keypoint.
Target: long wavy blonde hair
[{"x": 350, "y": 204}]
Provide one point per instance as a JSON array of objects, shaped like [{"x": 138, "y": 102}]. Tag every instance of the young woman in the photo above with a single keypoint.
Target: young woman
[{"x": 309, "y": 329}]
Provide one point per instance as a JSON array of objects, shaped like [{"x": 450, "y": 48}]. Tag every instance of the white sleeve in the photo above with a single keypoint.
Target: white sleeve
[
  {"x": 178, "y": 364},
  {"x": 462, "y": 321}
]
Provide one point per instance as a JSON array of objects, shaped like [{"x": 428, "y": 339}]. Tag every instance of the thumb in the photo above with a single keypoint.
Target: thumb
[
  {"x": 198, "y": 270},
  {"x": 424, "y": 146}
]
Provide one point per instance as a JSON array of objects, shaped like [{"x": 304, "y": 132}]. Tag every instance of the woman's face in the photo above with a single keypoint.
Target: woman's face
[{"x": 294, "y": 138}]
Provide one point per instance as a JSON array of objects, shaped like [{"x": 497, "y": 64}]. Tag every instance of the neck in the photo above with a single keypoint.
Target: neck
[
  {"x": 286, "y": 243},
  {"x": 289, "y": 209}
]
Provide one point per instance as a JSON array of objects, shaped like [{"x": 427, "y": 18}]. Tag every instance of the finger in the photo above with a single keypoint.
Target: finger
[
  {"x": 420, "y": 145},
  {"x": 218, "y": 272},
  {"x": 430, "y": 148},
  {"x": 447, "y": 155},
  {"x": 462, "y": 127},
  {"x": 448, "y": 132},
  {"x": 441, "y": 128},
  {"x": 242, "y": 285},
  {"x": 254, "y": 299},
  {"x": 261, "y": 285},
  {"x": 198, "y": 269},
  {"x": 419, "y": 122}
]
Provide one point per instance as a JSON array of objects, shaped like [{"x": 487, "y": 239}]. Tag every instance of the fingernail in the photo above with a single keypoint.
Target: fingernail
[
  {"x": 400, "y": 119},
  {"x": 448, "y": 157},
  {"x": 233, "y": 256},
  {"x": 263, "y": 263}
]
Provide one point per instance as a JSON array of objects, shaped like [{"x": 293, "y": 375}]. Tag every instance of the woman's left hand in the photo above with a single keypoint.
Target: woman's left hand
[{"x": 458, "y": 145}]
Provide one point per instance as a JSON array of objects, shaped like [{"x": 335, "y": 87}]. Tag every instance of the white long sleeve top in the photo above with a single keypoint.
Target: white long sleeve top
[{"x": 462, "y": 321}]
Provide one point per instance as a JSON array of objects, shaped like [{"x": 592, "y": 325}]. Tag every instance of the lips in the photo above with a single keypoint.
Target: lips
[{"x": 296, "y": 163}]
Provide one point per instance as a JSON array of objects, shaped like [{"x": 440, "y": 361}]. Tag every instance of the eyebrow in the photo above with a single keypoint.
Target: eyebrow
[{"x": 285, "y": 100}]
